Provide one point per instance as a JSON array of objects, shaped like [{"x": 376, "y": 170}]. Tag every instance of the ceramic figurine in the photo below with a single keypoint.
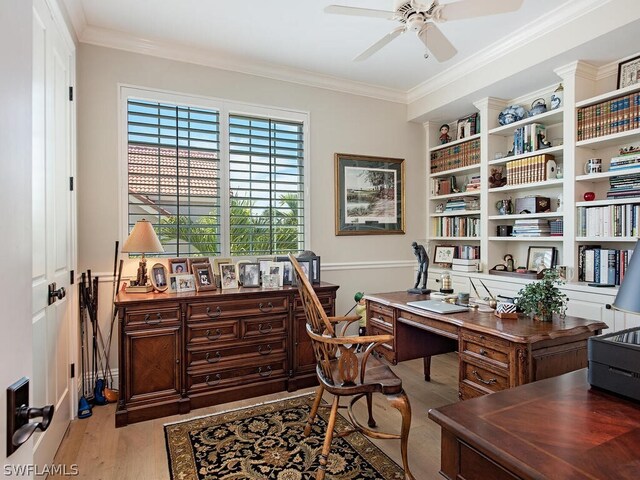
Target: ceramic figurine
[{"x": 557, "y": 97}]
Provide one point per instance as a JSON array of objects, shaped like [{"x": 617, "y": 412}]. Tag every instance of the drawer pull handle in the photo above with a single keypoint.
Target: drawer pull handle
[
  {"x": 208, "y": 334},
  {"x": 218, "y": 312},
  {"x": 491, "y": 381},
  {"x": 264, "y": 352},
  {"x": 264, "y": 310},
  {"x": 483, "y": 352},
  {"x": 214, "y": 383},
  {"x": 264, "y": 330},
  {"x": 148, "y": 321},
  {"x": 265, "y": 374},
  {"x": 215, "y": 359}
]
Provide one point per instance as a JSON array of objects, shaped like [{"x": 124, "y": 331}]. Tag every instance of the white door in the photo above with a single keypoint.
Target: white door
[
  {"x": 15, "y": 198},
  {"x": 52, "y": 223}
]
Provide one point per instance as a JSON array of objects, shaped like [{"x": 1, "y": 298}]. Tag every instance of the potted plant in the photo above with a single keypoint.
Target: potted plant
[{"x": 543, "y": 298}]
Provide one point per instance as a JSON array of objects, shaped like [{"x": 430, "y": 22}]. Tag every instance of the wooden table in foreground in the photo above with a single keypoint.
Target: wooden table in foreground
[
  {"x": 494, "y": 354},
  {"x": 558, "y": 428}
]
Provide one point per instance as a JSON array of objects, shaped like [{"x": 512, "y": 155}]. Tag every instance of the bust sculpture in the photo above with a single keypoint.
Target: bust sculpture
[{"x": 423, "y": 267}]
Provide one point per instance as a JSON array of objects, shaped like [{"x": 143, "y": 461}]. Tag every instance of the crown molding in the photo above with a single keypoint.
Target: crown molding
[
  {"x": 608, "y": 70},
  {"x": 551, "y": 21},
  {"x": 183, "y": 53}
]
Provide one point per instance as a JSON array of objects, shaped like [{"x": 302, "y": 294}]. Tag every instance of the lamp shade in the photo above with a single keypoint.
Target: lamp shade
[
  {"x": 142, "y": 239},
  {"x": 628, "y": 297}
]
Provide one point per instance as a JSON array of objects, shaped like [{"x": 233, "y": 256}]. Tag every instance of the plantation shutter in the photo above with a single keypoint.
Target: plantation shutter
[
  {"x": 174, "y": 175},
  {"x": 266, "y": 184}
]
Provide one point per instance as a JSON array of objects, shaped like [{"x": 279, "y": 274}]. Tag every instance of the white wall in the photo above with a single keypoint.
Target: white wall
[{"x": 339, "y": 123}]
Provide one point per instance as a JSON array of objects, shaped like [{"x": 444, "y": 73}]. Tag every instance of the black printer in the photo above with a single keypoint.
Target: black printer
[{"x": 614, "y": 362}]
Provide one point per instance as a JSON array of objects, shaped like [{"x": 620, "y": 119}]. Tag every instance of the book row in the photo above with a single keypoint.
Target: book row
[
  {"x": 600, "y": 265},
  {"x": 461, "y": 155},
  {"x": 456, "y": 227},
  {"x": 612, "y": 116},
  {"x": 608, "y": 221},
  {"x": 529, "y": 138},
  {"x": 537, "y": 168}
]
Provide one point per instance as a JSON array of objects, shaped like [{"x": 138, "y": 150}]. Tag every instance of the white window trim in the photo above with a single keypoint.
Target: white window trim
[{"x": 225, "y": 107}]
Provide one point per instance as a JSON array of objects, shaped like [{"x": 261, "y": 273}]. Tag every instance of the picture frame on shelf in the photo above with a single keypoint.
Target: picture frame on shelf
[
  {"x": 179, "y": 265},
  {"x": 305, "y": 265},
  {"x": 159, "y": 277},
  {"x": 466, "y": 126},
  {"x": 287, "y": 273},
  {"x": 264, "y": 264},
  {"x": 172, "y": 283},
  {"x": 276, "y": 268},
  {"x": 369, "y": 195},
  {"x": 443, "y": 255},
  {"x": 228, "y": 277},
  {"x": 540, "y": 258},
  {"x": 251, "y": 275},
  {"x": 240, "y": 264},
  {"x": 185, "y": 282},
  {"x": 315, "y": 269},
  {"x": 629, "y": 72},
  {"x": 204, "y": 277}
]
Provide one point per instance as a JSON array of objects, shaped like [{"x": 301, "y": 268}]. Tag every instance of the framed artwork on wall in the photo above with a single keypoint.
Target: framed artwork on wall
[
  {"x": 369, "y": 195},
  {"x": 628, "y": 72}
]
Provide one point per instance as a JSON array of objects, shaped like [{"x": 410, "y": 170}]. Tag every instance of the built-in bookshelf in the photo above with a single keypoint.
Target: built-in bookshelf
[{"x": 530, "y": 156}]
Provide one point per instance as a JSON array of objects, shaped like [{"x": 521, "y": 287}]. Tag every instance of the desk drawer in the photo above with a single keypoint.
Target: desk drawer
[
  {"x": 153, "y": 317},
  {"x": 482, "y": 378},
  {"x": 212, "y": 356},
  {"x": 385, "y": 349},
  {"x": 265, "y": 325},
  {"x": 490, "y": 352},
  {"x": 436, "y": 326},
  {"x": 213, "y": 332},
  {"x": 381, "y": 316}
]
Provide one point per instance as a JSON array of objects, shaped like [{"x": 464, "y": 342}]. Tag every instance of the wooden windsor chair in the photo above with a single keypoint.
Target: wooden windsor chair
[{"x": 344, "y": 372}]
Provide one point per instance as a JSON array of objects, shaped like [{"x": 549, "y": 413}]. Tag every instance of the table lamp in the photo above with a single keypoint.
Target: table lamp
[
  {"x": 627, "y": 299},
  {"x": 142, "y": 239}
]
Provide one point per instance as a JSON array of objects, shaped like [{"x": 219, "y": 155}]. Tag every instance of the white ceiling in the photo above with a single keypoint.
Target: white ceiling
[{"x": 295, "y": 39}]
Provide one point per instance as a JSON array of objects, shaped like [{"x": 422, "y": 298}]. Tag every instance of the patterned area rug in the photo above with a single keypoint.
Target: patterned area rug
[{"x": 266, "y": 442}]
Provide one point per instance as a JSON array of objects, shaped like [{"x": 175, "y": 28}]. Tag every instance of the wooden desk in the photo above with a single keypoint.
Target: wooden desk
[
  {"x": 494, "y": 354},
  {"x": 557, "y": 428}
]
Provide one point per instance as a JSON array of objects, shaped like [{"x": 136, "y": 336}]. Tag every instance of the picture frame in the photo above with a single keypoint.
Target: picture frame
[
  {"x": 467, "y": 126},
  {"x": 172, "y": 283},
  {"x": 443, "y": 255},
  {"x": 369, "y": 195},
  {"x": 185, "y": 282},
  {"x": 264, "y": 263},
  {"x": 629, "y": 72},
  {"x": 203, "y": 276},
  {"x": 276, "y": 268},
  {"x": 228, "y": 277},
  {"x": 305, "y": 265},
  {"x": 287, "y": 273},
  {"x": 540, "y": 258},
  {"x": 270, "y": 281},
  {"x": 240, "y": 270},
  {"x": 159, "y": 277},
  {"x": 315, "y": 269},
  {"x": 251, "y": 275},
  {"x": 179, "y": 265}
]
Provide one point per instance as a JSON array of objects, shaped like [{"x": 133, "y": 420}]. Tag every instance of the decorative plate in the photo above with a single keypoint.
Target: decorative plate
[{"x": 511, "y": 114}]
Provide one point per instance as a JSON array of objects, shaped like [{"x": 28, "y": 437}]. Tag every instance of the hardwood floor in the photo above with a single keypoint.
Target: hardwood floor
[{"x": 138, "y": 452}]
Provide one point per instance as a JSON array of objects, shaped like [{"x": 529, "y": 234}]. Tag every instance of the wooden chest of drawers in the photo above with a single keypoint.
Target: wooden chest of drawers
[{"x": 179, "y": 352}]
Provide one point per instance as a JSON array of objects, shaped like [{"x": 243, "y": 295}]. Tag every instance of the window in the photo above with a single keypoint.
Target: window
[
  {"x": 266, "y": 185},
  {"x": 174, "y": 175},
  {"x": 180, "y": 157}
]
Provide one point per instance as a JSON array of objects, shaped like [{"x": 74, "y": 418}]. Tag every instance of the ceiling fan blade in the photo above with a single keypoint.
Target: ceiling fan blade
[
  {"x": 359, "y": 12},
  {"x": 435, "y": 41},
  {"x": 379, "y": 44},
  {"x": 478, "y": 8}
]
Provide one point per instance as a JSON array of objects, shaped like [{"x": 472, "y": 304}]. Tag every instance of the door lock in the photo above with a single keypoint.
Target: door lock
[{"x": 54, "y": 294}]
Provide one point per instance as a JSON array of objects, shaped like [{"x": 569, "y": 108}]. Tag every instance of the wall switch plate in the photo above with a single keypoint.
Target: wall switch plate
[{"x": 17, "y": 396}]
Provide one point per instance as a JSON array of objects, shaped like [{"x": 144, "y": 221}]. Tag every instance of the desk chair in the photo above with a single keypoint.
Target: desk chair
[{"x": 343, "y": 372}]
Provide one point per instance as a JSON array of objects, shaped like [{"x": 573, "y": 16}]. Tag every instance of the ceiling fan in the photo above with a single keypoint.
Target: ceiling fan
[{"x": 421, "y": 17}]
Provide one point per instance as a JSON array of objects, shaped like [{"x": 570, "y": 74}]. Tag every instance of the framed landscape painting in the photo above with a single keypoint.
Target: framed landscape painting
[{"x": 369, "y": 195}]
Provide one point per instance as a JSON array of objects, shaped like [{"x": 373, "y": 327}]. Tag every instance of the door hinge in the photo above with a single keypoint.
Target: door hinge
[
  {"x": 71, "y": 184},
  {"x": 73, "y": 370},
  {"x": 71, "y": 94},
  {"x": 72, "y": 277}
]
